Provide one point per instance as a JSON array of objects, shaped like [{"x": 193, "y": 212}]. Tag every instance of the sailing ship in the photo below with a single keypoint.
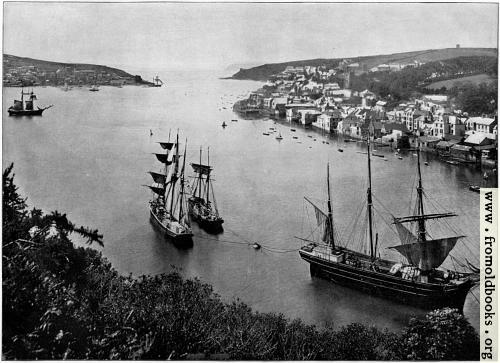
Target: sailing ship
[
  {"x": 26, "y": 108},
  {"x": 418, "y": 280},
  {"x": 157, "y": 82},
  {"x": 202, "y": 209},
  {"x": 168, "y": 205}
]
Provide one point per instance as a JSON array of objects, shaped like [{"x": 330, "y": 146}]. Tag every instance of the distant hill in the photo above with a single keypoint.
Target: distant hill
[
  {"x": 12, "y": 61},
  {"x": 262, "y": 73}
]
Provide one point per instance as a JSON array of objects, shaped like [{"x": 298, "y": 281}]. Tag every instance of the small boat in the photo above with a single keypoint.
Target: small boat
[
  {"x": 234, "y": 120},
  {"x": 327, "y": 142},
  {"x": 25, "y": 108},
  {"x": 295, "y": 137},
  {"x": 400, "y": 157},
  {"x": 309, "y": 136},
  {"x": 426, "y": 163},
  {"x": 414, "y": 154},
  {"x": 94, "y": 88},
  {"x": 279, "y": 137},
  {"x": 475, "y": 188},
  {"x": 224, "y": 124},
  {"x": 340, "y": 150},
  {"x": 452, "y": 162},
  {"x": 379, "y": 155},
  {"x": 271, "y": 128},
  {"x": 361, "y": 152},
  {"x": 349, "y": 140},
  {"x": 265, "y": 133},
  {"x": 256, "y": 246},
  {"x": 293, "y": 130},
  {"x": 314, "y": 139}
]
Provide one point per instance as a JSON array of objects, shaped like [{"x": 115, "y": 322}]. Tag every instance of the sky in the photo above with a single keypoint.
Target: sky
[{"x": 160, "y": 35}]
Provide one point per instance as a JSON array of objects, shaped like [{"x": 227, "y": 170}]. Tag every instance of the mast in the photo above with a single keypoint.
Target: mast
[
  {"x": 208, "y": 175},
  {"x": 420, "y": 201},
  {"x": 164, "y": 197},
  {"x": 330, "y": 218},
  {"x": 370, "y": 203},
  {"x": 199, "y": 179},
  {"x": 174, "y": 174},
  {"x": 181, "y": 195}
]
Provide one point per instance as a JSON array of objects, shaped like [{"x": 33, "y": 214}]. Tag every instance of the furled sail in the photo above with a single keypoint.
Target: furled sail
[
  {"x": 423, "y": 217},
  {"x": 165, "y": 159},
  {"x": 167, "y": 145},
  {"x": 201, "y": 169},
  {"x": 404, "y": 233},
  {"x": 158, "y": 178},
  {"x": 428, "y": 254},
  {"x": 157, "y": 190}
]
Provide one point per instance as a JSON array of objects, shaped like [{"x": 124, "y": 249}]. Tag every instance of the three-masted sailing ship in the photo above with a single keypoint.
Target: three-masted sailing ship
[
  {"x": 168, "y": 210},
  {"x": 418, "y": 280},
  {"x": 202, "y": 204},
  {"x": 26, "y": 107},
  {"x": 157, "y": 82}
]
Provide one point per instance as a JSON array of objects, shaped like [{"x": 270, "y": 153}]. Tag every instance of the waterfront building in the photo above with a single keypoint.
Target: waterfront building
[{"x": 481, "y": 124}]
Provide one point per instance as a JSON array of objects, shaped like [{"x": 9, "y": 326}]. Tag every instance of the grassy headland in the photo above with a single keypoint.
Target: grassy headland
[
  {"x": 63, "y": 302},
  {"x": 30, "y": 71},
  {"x": 262, "y": 72}
]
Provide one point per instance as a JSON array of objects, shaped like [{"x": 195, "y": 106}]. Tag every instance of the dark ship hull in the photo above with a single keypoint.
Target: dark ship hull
[
  {"x": 381, "y": 283},
  {"x": 14, "y": 112},
  {"x": 184, "y": 239},
  {"x": 210, "y": 225}
]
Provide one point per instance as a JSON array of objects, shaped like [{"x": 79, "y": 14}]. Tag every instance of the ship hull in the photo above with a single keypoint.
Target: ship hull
[
  {"x": 424, "y": 295},
  {"x": 181, "y": 239},
  {"x": 13, "y": 112},
  {"x": 213, "y": 226}
]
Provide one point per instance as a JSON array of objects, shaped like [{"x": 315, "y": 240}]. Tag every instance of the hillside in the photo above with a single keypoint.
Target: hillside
[
  {"x": 263, "y": 72},
  {"x": 476, "y": 79},
  {"x": 12, "y": 61}
]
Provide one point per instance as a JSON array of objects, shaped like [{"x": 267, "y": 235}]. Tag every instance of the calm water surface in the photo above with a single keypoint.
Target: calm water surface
[{"x": 89, "y": 154}]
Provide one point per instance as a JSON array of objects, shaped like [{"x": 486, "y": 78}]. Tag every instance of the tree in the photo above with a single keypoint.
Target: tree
[{"x": 443, "y": 335}]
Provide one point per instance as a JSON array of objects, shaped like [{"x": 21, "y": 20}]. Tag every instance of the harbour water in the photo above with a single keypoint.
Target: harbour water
[{"x": 89, "y": 154}]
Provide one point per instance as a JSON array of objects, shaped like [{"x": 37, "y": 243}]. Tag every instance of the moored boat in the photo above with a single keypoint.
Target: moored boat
[
  {"x": 168, "y": 210},
  {"x": 418, "y": 279},
  {"x": 202, "y": 205},
  {"x": 26, "y": 107},
  {"x": 475, "y": 188},
  {"x": 157, "y": 82}
]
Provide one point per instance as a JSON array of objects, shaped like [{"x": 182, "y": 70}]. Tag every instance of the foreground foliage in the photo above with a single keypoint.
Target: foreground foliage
[{"x": 62, "y": 302}]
